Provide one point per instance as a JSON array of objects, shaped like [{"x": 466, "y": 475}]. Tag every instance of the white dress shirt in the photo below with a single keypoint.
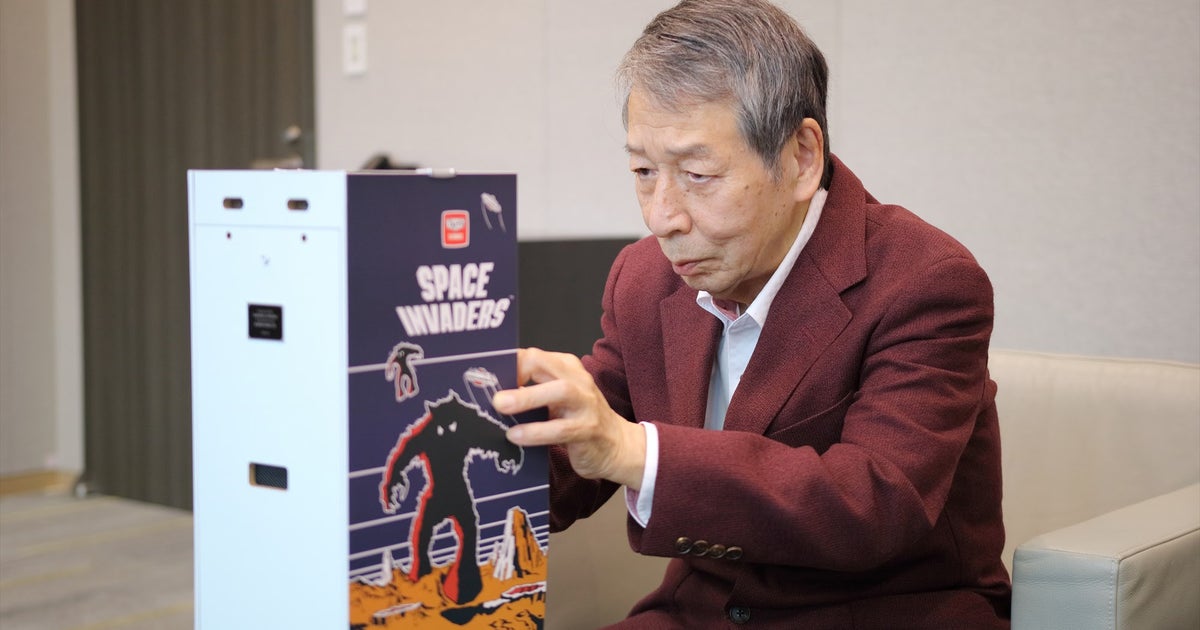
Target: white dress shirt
[{"x": 739, "y": 337}]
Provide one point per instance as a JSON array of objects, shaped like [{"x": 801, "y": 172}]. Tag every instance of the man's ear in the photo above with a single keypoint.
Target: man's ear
[{"x": 810, "y": 158}]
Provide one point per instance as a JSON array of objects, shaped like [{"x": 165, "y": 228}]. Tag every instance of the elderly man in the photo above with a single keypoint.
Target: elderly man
[{"x": 792, "y": 384}]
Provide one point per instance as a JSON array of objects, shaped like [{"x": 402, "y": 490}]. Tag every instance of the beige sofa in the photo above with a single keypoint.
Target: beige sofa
[{"x": 1102, "y": 503}]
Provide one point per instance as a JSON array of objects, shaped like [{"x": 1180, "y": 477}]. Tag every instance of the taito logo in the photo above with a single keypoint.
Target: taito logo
[{"x": 456, "y": 229}]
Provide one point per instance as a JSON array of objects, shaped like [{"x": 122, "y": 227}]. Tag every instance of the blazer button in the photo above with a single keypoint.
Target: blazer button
[
  {"x": 700, "y": 547},
  {"x": 683, "y": 545},
  {"x": 739, "y": 615},
  {"x": 716, "y": 551},
  {"x": 733, "y": 553}
]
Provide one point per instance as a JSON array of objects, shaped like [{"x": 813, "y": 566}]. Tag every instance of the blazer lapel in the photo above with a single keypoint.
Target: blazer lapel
[
  {"x": 690, "y": 337},
  {"x": 808, "y": 312},
  {"x": 806, "y": 316}
]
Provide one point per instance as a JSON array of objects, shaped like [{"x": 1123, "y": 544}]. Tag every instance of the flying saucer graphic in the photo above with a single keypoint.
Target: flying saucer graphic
[{"x": 488, "y": 204}]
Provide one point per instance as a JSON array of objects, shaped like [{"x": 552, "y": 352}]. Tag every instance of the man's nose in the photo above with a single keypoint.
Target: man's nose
[{"x": 665, "y": 212}]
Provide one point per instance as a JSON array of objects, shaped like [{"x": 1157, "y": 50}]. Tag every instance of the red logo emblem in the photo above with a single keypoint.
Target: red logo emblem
[{"x": 456, "y": 229}]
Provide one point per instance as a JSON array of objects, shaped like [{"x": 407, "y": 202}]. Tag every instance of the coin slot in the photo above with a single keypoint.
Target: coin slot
[
  {"x": 297, "y": 204},
  {"x": 268, "y": 476},
  {"x": 233, "y": 203}
]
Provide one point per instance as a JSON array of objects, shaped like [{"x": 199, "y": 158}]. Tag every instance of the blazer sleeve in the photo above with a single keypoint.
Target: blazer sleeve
[
  {"x": 572, "y": 497},
  {"x": 922, "y": 386}
]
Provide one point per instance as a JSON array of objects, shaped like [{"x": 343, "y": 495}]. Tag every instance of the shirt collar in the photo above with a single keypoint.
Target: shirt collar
[{"x": 727, "y": 313}]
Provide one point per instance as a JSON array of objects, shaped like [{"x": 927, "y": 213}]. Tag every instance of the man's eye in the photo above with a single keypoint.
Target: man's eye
[
  {"x": 643, "y": 172},
  {"x": 697, "y": 178}
]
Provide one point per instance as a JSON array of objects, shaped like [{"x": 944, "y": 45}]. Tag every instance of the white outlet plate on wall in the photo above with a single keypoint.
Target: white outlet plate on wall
[{"x": 354, "y": 48}]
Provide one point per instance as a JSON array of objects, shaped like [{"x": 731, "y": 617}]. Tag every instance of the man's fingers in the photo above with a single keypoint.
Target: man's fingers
[
  {"x": 511, "y": 401},
  {"x": 523, "y": 362},
  {"x": 547, "y": 433},
  {"x": 554, "y": 375},
  {"x": 539, "y": 366}
]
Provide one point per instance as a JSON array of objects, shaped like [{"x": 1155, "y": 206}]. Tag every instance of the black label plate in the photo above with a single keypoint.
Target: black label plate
[{"x": 266, "y": 322}]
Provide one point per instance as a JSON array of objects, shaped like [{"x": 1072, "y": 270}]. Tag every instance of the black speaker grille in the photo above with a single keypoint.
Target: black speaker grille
[{"x": 270, "y": 476}]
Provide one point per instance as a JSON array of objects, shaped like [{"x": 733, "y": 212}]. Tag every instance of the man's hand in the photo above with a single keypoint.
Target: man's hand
[{"x": 600, "y": 443}]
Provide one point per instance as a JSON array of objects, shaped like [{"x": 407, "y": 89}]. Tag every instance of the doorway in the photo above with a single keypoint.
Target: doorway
[{"x": 165, "y": 87}]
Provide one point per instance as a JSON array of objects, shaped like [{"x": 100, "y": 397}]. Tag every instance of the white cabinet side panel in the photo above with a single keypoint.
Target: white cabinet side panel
[{"x": 268, "y": 557}]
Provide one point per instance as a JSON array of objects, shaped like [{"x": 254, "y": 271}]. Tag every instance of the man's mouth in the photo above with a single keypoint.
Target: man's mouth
[{"x": 686, "y": 267}]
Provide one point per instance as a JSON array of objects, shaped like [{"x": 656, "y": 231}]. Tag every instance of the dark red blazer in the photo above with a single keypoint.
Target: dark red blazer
[{"x": 857, "y": 481}]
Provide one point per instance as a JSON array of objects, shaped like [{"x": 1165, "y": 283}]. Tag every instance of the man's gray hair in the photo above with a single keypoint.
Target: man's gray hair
[{"x": 746, "y": 52}]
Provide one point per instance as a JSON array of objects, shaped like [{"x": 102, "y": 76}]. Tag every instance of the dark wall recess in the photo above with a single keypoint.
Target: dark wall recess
[{"x": 561, "y": 283}]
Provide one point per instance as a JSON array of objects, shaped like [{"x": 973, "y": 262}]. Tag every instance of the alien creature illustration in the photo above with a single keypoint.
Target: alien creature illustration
[
  {"x": 401, "y": 371},
  {"x": 442, "y": 444}
]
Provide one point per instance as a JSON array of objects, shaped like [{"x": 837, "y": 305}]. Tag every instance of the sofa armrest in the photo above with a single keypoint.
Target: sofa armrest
[{"x": 1136, "y": 567}]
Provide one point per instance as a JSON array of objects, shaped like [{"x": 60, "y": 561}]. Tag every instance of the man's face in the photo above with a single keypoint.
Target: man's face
[{"x": 720, "y": 217}]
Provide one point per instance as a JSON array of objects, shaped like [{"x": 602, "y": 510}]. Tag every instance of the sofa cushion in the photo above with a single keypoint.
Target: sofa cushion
[{"x": 1082, "y": 436}]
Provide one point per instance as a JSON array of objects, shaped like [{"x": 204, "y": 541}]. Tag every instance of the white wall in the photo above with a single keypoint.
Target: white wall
[
  {"x": 41, "y": 383},
  {"x": 521, "y": 86},
  {"x": 1059, "y": 141}
]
